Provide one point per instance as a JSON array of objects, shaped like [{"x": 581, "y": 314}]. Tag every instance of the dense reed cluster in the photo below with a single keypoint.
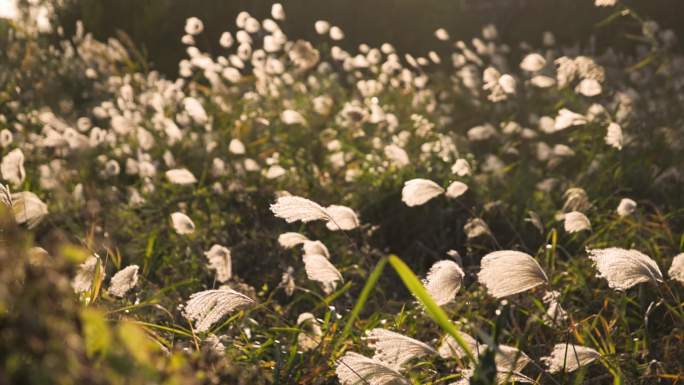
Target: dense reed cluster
[{"x": 234, "y": 224}]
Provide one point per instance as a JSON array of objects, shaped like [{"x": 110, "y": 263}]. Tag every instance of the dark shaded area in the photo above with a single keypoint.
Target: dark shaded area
[{"x": 157, "y": 25}]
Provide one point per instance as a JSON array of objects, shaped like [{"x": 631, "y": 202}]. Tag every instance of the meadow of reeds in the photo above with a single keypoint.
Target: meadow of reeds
[{"x": 289, "y": 212}]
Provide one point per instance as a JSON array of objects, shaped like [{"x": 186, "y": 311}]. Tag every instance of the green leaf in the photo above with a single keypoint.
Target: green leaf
[
  {"x": 136, "y": 342},
  {"x": 96, "y": 332},
  {"x": 365, "y": 293},
  {"x": 74, "y": 254},
  {"x": 434, "y": 311}
]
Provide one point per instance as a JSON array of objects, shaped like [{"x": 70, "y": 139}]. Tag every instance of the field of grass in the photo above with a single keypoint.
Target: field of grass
[{"x": 287, "y": 212}]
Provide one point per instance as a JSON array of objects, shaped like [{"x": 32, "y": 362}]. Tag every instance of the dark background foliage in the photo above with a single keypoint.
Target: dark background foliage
[{"x": 156, "y": 25}]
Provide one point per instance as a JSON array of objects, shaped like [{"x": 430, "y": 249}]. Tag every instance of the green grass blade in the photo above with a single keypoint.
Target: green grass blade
[
  {"x": 434, "y": 311},
  {"x": 365, "y": 293}
]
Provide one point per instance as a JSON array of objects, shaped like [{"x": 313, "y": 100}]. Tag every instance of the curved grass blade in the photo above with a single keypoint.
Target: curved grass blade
[{"x": 434, "y": 311}]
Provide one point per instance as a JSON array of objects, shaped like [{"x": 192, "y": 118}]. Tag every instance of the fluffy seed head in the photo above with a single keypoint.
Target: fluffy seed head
[
  {"x": 614, "y": 136},
  {"x": 449, "y": 348},
  {"x": 209, "y": 306},
  {"x": 291, "y": 239},
  {"x": 220, "y": 261},
  {"x": 181, "y": 176},
  {"x": 509, "y": 272},
  {"x": 28, "y": 208},
  {"x": 625, "y": 268},
  {"x": 294, "y": 208},
  {"x": 443, "y": 281},
  {"x": 456, "y": 189},
  {"x": 509, "y": 359},
  {"x": 315, "y": 247},
  {"x": 5, "y": 196},
  {"x": 123, "y": 281},
  {"x": 533, "y": 62},
  {"x": 569, "y": 357},
  {"x": 182, "y": 223},
  {"x": 676, "y": 271},
  {"x": 355, "y": 369},
  {"x": 396, "y": 349},
  {"x": 575, "y": 221},
  {"x": 12, "y": 167},
  {"x": 418, "y": 191},
  {"x": 83, "y": 281},
  {"x": 626, "y": 207},
  {"x": 320, "y": 269},
  {"x": 341, "y": 218}
]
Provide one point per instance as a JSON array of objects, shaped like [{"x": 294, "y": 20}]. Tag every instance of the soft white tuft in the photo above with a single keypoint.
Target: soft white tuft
[
  {"x": 355, "y": 369},
  {"x": 626, "y": 207},
  {"x": 181, "y": 176},
  {"x": 555, "y": 314},
  {"x": 341, "y": 218},
  {"x": 676, "y": 271},
  {"x": 418, "y": 191},
  {"x": 575, "y": 221},
  {"x": 291, "y": 239},
  {"x": 614, "y": 137},
  {"x": 569, "y": 357},
  {"x": 310, "y": 337},
  {"x": 449, "y": 348},
  {"x": 396, "y": 349},
  {"x": 625, "y": 268},
  {"x": 476, "y": 227},
  {"x": 456, "y": 189},
  {"x": 123, "y": 281},
  {"x": 320, "y": 269},
  {"x": 182, "y": 223},
  {"x": 294, "y": 208},
  {"x": 509, "y": 359},
  {"x": 220, "y": 261},
  {"x": 443, "y": 281},
  {"x": 83, "y": 281},
  {"x": 209, "y": 306},
  {"x": 5, "y": 196},
  {"x": 28, "y": 208},
  {"x": 509, "y": 272},
  {"x": 315, "y": 247},
  {"x": 12, "y": 167}
]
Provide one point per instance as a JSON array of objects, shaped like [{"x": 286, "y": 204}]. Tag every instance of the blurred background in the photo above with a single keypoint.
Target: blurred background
[{"x": 157, "y": 25}]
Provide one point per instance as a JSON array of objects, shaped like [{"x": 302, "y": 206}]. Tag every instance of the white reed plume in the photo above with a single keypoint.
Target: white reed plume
[
  {"x": 355, "y": 369},
  {"x": 220, "y": 261},
  {"x": 625, "y": 268},
  {"x": 456, "y": 189},
  {"x": 182, "y": 223},
  {"x": 5, "y": 196},
  {"x": 294, "y": 208},
  {"x": 320, "y": 269},
  {"x": 509, "y": 272},
  {"x": 449, "y": 348},
  {"x": 443, "y": 281},
  {"x": 181, "y": 176},
  {"x": 315, "y": 247},
  {"x": 341, "y": 218},
  {"x": 83, "y": 281},
  {"x": 28, "y": 208},
  {"x": 575, "y": 221},
  {"x": 676, "y": 271},
  {"x": 291, "y": 239},
  {"x": 209, "y": 306},
  {"x": 626, "y": 207},
  {"x": 12, "y": 167},
  {"x": 418, "y": 191},
  {"x": 569, "y": 357},
  {"x": 396, "y": 349},
  {"x": 123, "y": 281}
]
